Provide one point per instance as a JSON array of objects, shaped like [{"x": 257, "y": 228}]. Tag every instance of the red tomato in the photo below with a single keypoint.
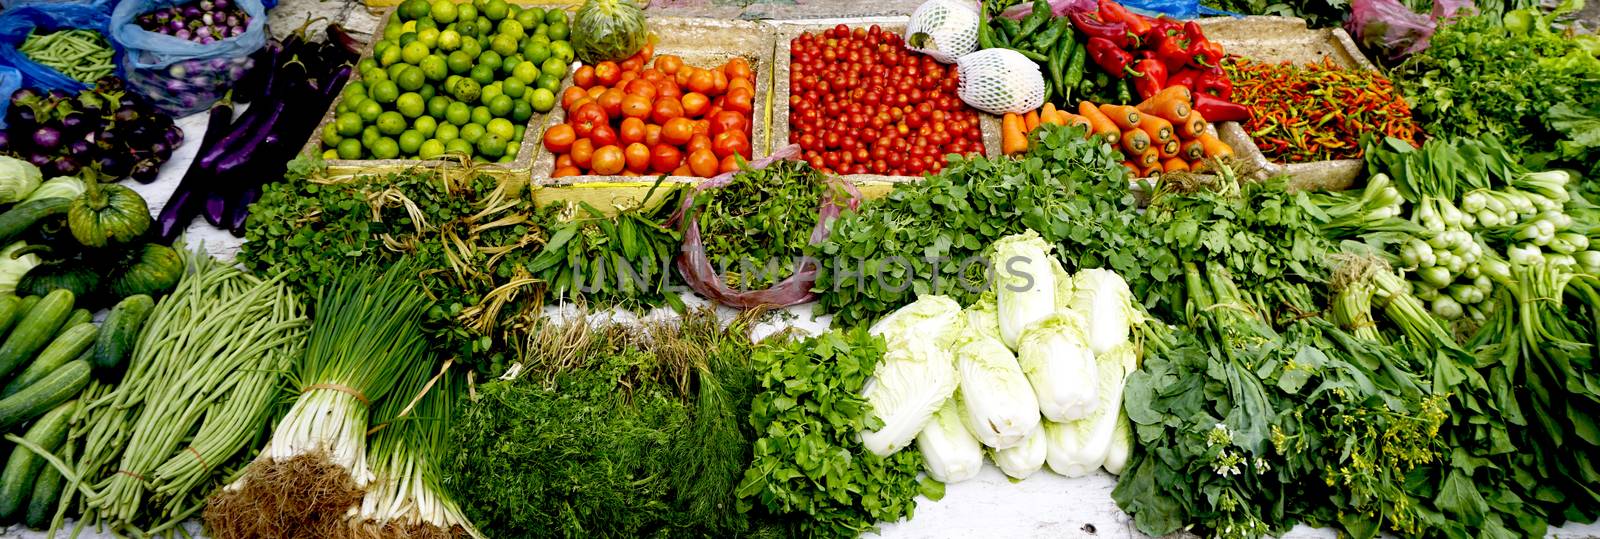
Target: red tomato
[
  {"x": 731, "y": 142},
  {"x": 740, "y": 100},
  {"x": 664, "y": 158},
  {"x": 638, "y": 157},
  {"x": 699, "y": 142},
  {"x": 729, "y": 164},
  {"x": 682, "y": 170},
  {"x": 563, "y": 172},
  {"x": 652, "y": 135},
  {"x": 703, "y": 163},
  {"x": 611, "y": 102},
  {"x": 727, "y": 120},
  {"x": 604, "y": 135},
  {"x": 666, "y": 109},
  {"x": 582, "y": 153},
  {"x": 571, "y": 95},
  {"x": 608, "y": 160},
  {"x": 695, "y": 104},
  {"x": 677, "y": 131},
  {"x": 632, "y": 64},
  {"x": 702, "y": 81},
  {"x": 631, "y": 131},
  {"x": 584, "y": 77},
  {"x": 586, "y": 118},
  {"x": 738, "y": 68},
  {"x": 667, "y": 88},
  {"x": 607, "y": 73},
  {"x": 559, "y": 139},
  {"x": 634, "y": 106},
  {"x": 641, "y": 87},
  {"x": 669, "y": 64}
]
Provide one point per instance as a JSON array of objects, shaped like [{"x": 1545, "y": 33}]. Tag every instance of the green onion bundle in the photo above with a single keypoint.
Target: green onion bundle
[
  {"x": 202, "y": 379},
  {"x": 366, "y": 338}
]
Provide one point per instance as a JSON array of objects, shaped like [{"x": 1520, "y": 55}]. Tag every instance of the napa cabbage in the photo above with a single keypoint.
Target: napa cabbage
[
  {"x": 931, "y": 319},
  {"x": 1076, "y": 448},
  {"x": 1055, "y": 356},
  {"x": 1025, "y": 283},
  {"x": 1105, "y": 303},
  {"x": 1022, "y": 460},
  {"x": 917, "y": 374},
  {"x": 949, "y": 452},
  {"x": 995, "y": 401}
]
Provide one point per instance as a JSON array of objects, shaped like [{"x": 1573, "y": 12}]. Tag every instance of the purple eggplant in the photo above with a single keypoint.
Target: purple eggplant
[
  {"x": 145, "y": 171},
  {"x": 39, "y": 160},
  {"x": 240, "y": 210},
  {"x": 215, "y": 208},
  {"x": 47, "y": 138}
]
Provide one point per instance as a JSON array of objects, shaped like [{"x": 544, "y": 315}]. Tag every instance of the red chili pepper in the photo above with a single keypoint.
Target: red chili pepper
[
  {"x": 1185, "y": 77},
  {"x": 1215, "y": 82},
  {"x": 1111, "y": 58},
  {"x": 1217, "y": 109},
  {"x": 1202, "y": 52},
  {"x": 1152, "y": 78},
  {"x": 1086, "y": 22},
  {"x": 1136, "y": 24}
]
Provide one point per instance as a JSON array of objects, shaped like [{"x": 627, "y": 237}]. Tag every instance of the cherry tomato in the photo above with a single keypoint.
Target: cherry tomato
[
  {"x": 559, "y": 139},
  {"x": 664, "y": 158},
  {"x": 608, "y": 160}
]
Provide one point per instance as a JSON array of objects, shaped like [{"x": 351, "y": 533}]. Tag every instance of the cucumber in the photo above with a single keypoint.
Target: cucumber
[
  {"x": 22, "y": 217},
  {"x": 79, "y": 316},
  {"x": 44, "y": 498},
  {"x": 60, "y": 386},
  {"x": 35, "y": 330},
  {"x": 17, "y": 481},
  {"x": 8, "y": 312},
  {"x": 24, "y": 305},
  {"x": 121, "y": 331},
  {"x": 67, "y": 347}
]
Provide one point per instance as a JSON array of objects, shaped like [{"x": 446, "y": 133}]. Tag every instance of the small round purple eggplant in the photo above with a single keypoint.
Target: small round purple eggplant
[
  {"x": 47, "y": 138},
  {"x": 40, "y": 160},
  {"x": 65, "y": 166},
  {"x": 79, "y": 147},
  {"x": 73, "y": 122},
  {"x": 145, "y": 171}
]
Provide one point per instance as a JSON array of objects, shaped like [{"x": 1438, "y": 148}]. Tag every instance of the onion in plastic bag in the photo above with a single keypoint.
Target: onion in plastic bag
[
  {"x": 943, "y": 29},
  {"x": 608, "y": 30},
  {"x": 998, "y": 81}
]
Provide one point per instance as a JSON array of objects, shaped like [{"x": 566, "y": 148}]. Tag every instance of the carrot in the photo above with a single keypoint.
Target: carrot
[
  {"x": 1068, "y": 118},
  {"x": 1192, "y": 150},
  {"x": 1150, "y": 158},
  {"x": 1214, "y": 147},
  {"x": 1124, "y": 116},
  {"x": 1168, "y": 149},
  {"x": 1158, "y": 128},
  {"x": 1031, "y": 120},
  {"x": 1099, "y": 123},
  {"x": 1135, "y": 141},
  {"x": 1191, "y": 127},
  {"x": 1172, "y": 110},
  {"x": 1047, "y": 115},
  {"x": 1012, "y": 139},
  {"x": 1150, "y": 172},
  {"x": 1174, "y": 165},
  {"x": 1133, "y": 170},
  {"x": 1175, "y": 93}
]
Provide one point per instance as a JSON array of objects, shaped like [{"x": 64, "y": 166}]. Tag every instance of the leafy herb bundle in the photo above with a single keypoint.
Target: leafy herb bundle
[
  {"x": 809, "y": 463},
  {"x": 928, "y": 237},
  {"x": 606, "y": 260},
  {"x": 610, "y": 429},
  {"x": 761, "y": 219}
]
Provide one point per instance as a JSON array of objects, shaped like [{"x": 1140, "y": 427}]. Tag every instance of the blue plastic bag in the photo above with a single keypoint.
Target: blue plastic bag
[
  {"x": 16, "y": 24},
  {"x": 1177, "y": 9},
  {"x": 179, "y": 76},
  {"x": 10, "y": 82},
  {"x": 104, "y": 5}
]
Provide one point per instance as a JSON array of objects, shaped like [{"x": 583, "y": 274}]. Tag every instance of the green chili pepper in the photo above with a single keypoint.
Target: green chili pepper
[
  {"x": 984, "y": 40},
  {"x": 1033, "y": 55},
  {"x": 1074, "y": 67},
  {"x": 1044, "y": 41},
  {"x": 1009, "y": 29}
]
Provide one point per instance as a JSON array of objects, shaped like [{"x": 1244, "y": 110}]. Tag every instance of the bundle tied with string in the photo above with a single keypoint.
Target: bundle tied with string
[
  {"x": 694, "y": 263},
  {"x": 367, "y": 336}
]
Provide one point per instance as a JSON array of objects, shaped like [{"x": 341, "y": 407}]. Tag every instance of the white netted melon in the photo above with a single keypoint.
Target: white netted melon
[
  {"x": 998, "y": 81},
  {"x": 943, "y": 29}
]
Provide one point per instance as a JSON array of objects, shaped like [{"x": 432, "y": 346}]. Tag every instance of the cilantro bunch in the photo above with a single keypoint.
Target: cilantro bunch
[{"x": 761, "y": 217}]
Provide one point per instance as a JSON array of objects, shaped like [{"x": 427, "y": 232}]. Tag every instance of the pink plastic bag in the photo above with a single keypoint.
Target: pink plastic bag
[
  {"x": 1057, "y": 7},
  {"x": 695, "y": 265},
  {"x": 1392, "y": 29}
]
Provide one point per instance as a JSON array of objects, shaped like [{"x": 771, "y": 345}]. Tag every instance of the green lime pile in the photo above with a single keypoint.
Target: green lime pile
[{"x": 452, "y": 78}]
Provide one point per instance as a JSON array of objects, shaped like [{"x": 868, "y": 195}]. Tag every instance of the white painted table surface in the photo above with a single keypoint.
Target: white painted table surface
[{"x": 989, "y": 506}]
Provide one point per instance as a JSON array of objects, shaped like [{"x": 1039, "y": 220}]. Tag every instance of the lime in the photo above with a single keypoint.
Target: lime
[
  {"x": 466, "y": 90},
  {"x": 347, "y": 124},
  {"x": 489, "y": 59},
  {"x": 511, "y": 28},
  {"x": 500, "y": 106},
  {"x": 541, "y": 33},
  {"x": 459, "y": 62},
  {"x": 330, "y": 135},
  {"x": 443, "y": 11},
  {"x": 407, "y": 38},
  {"x": 480, "y": 115},
  {"x": 356, "y": 88},
  {"x": 447, "y": 132},
  {"x": 389, "y": 56},
  {"x": 451, "y": 80},
  {"x": 527, "y": 72},
  {"x": 472, "y": 132},
  {"x": 549, "y": 82},
  {"x": 449, "y": 40},
  {"x": 411, "y": 10},
  {"x": 385, "y": 92},
  {"x": 458, "y": 146},
  {"x": 468, "y": 12},
  {"x": 430, "y": 149},
  {"x": 513, "y": 87},
  {"x": 435, "y": 67},
  {"x": 468, "y": 28},
  {"x": 370, "y": 135},
  {"x": 411, "y": 79},
  {"x": 495, "y": 9},
  {"x": 501, "y": 127},
  {"x": 411, "y": 105},
  {"x": 555, "y": 16},
  {"x": 558, "y": 31},
  {"x": 366, "y": 64},
  {"x": 521, "y": 111},
  {"x": 344, "y": 106},
  {"x": 437, "y": 105},
  {"x": 458, "y": 113},
  {"x": 471, "y": 46},
  {"x": 391, "y": 123},
  {"x": 426, "y": 24},
  {"x": 410, "y": 141},
  {"x": 489, "y": 93},
  {"x": 385, "y": 148},
  {"x": 393, "y": 29},
  {"x": 376, "y": 75},
  {"x": 426, "y": 92},
  {"x": 393, "y": 72},
  {"x": 530, "y": 17},
  {"x": 509, "y": 65},
  {"x": 504, "y": 45},
  {"x": 519, "y": 131},
  {"x": 368, "y": 111},
  {"x": 329, "y": 155},
  {"x": 425, "y": 125},
  {"x": 563, "y": 50},
  {"x": 536, "y": 52},
  {"x": 349, "y": 149},
  {"x": 554, "y": 68},
  {"x": 428, "y": 37},
  {"x": 542, "y": 99},
  {"x": 483, "y": 74},
  {"x": 414, "y": 53},
  {"x": 408, "y": 26},
  {"x": 492, "y": 146}
]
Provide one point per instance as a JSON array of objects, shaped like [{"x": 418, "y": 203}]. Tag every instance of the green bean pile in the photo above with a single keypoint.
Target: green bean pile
[{"x": 83, "y": 55}]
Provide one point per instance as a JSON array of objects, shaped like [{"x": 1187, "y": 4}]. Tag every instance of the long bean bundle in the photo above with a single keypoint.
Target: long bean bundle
[
  {"x": 203, "y": 375},
  {"x": 368, "y": 335},
  {"x": 84, "y": 55}
]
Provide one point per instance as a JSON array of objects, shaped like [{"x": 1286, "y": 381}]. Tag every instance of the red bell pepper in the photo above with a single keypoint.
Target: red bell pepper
[
  {"x": 1216, "y": 109},
  {"x": 1111, "y": 58},
  {"x": 1152, "y": 77},
  {"x": 1172, "y": 47},
  {"x": 1202, "y": 52},
  {"x": 1092, "y": 26},
  {"x": 1138, "y": 25},
  {"x": 1185, "y": 77},
  {"x": 1215, "y": 82}
]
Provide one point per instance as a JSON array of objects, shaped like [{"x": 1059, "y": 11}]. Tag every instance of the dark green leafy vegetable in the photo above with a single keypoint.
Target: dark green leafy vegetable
[{"x": 763, "y": 220}]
